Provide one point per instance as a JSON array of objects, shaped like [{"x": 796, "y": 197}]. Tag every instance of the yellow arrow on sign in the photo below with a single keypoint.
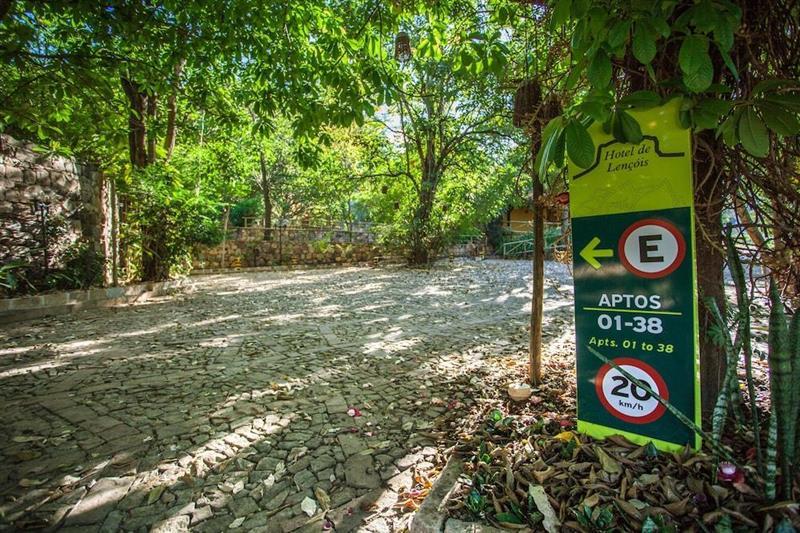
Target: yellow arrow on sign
[{"x": 590, "y": 253}]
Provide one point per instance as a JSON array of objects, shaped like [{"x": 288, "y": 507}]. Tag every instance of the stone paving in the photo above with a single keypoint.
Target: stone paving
[{"x": 230, "y": 407}]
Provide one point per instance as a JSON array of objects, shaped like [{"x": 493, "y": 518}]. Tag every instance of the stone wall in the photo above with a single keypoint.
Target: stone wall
[
  {"x": 75, "y": 194},
  {"x": 304, "y": 234},
  {"x": 471, "y": 249},
  {"x": 248, "y": 254}
]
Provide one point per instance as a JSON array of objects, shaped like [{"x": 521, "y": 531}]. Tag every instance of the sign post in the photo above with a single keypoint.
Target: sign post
[{"x": 635, "y": 284}]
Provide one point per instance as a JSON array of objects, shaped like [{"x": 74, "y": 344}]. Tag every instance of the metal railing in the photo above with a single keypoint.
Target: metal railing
[
  {"x": 517, "y": 248},
  {"x": 524, "y": 246}
]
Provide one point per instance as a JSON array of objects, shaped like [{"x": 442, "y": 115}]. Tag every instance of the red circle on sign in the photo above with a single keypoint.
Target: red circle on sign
[
  {"x": 661, "y": 385},
  {"x": 653, "y": 222}
]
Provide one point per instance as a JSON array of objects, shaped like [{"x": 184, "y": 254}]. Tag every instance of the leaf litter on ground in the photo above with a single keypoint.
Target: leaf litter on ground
[{"x": 518, "y": 456}]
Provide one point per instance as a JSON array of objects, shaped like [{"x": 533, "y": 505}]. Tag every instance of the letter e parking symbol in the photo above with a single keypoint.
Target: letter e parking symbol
[
  {"x": 646, "y": 247},
  {"x": 652, "y": 248}
]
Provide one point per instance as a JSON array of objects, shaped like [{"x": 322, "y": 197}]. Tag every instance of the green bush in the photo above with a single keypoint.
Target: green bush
[
  {"x": 247, "y": 208},
  {"x": 13, "y": 279},
  {"x": 170, "y": 217},
  {"x": 82, "y": 268},
  {"x": 323, "y": 245}
]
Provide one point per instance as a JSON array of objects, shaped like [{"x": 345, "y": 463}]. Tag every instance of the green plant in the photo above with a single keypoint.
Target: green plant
[
  {"x": 322, "y": 245},
  {"x": 476, "y": 503},
  {"x": 12, "y": 275},
  {"x": 170, "y": 217},
  {"x": 516, "y": 516},
  {"x": 657, "y": 524},
  {"x": 82, "y": 266},
  {"x": 599, "y": 518},
  {"x": 247, "y": 208},
  {"x": 784, "y": 384},
  {"x": 784, "y": 364}
]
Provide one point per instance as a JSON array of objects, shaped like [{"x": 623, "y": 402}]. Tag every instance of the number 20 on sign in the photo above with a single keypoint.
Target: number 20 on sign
[{"x": 635, "y": 285}]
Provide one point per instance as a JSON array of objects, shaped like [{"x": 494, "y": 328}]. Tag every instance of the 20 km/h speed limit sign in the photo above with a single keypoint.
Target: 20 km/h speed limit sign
[
  {"x": 626, "y": 400},
  {"x": 635, "y": 296}
]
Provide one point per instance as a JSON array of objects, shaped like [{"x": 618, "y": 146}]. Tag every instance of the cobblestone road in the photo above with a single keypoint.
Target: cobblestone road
[{"x": 227, "y": 407}]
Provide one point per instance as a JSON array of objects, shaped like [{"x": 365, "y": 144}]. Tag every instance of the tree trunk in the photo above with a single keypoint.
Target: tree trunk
[
  {"x": 421, "y": 242},
  {"x": 136, "y": 128},
  {"x": 5, "y": 8},
  {"x": 122, "y": 222},
  {"x": 224, "y": 237},
  {"x": 538, "y": 281},
  {"x": 114, "y": 231},
  {"x": 709, "y": 203},
  {"x": 154, "y": 265},
  {"x": 420, "y": 245},
  {"x": 172, "y": 110},
  {"x": 266, "y": 191},
  {"x": 142, "y": 153},
  {"x": 152, "y": 106}
]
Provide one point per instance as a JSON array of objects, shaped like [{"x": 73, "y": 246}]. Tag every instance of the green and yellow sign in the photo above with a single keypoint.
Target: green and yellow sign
[{"x": 635, "y": 284}]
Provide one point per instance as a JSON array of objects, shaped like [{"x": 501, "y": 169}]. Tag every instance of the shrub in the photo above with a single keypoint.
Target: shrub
[
  {"x": 82, "y": 268},
  {"x": 171, "y": 217},
  {"x": 247, "y": 208}
]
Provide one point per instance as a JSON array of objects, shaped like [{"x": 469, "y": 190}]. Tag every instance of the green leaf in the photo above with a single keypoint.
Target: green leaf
[
  {"x": 618, "y": 33},
  {"x": 599, "y": 72},
  {"x": 715, "y": 105},
  {"x": 705, "y": 16},
  {"x": 580, "y": 146},
  {"x": 649, "y": 526},
  {"x": 579, "y": 8},
  {"x": 628, "y": 129},
  {"x": 597, "y": 19},
  {"x": 790, "y": 101},
  {"x": 597, "y": 110},
  {"x": 559, "y": 148},
  {"x": 753, "y": 133},
  {"x": 508, "y": 518},
  {"x": 502, "y": 14},
  {"x": 580, "y": 37},
  {"x": 724, "y": 525},
  {"x": 643, "y": 99},
  {"x": 695, "y": 62},
  {"x": 547, "y": 151},
  {"x": 703, "y": 120},
  {"x": 727, "y": 130},
  {"x": 685, "y": 119},
  {"x": 723, "y": 34},
  {"x": 726, "y": 57},
  {"x": 766, "y": 86},
  {"x": 707, "y": 113},
  {"x": 574, "y": 77},
  {"x": 661, "y": 26},
  {"x": 561, "y": 13},
  {"x": 644, "y": 44},
  {"x": 779, "y": 119}
]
